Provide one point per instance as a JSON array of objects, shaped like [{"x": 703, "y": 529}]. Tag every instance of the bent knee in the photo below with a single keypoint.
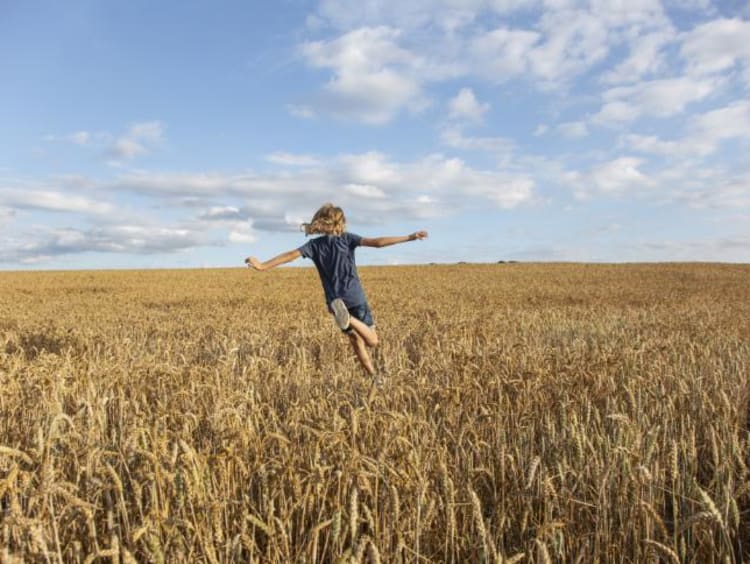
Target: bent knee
[{"x": 372, "y": 342}]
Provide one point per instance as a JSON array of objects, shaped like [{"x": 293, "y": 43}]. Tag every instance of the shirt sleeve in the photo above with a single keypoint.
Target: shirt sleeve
[
  {"x": 306, "y": 250},
  {"x": 354, "y": 240}
]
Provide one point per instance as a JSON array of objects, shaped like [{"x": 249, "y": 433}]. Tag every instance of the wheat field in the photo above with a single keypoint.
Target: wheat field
[{"x": 530, "y": 413}]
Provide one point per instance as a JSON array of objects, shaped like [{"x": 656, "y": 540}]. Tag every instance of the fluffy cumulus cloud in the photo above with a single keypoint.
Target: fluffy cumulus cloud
[
  {"x": 466, "y": 106},
  {"x": 731, "y": 121},
  {"x": 572, "y": 42},
  {"x": 647, "y": 57},
  {"x": 372, "y": 76},
  {"x": 717, "y": 46},
  {"x": 621, "y": 176},
  {"x": 383, "y": 55},
  {"x": 242, "y": 233},
  {"x": 503, "y": 54}
]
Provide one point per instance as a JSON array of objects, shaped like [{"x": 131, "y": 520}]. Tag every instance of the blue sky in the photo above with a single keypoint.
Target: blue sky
[{"x": 191, "y": 134}]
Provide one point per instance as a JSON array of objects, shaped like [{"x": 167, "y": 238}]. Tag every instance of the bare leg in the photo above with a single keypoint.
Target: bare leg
[
  {"x": 360, "y": 349},
  {"x": 367, "y": 333},
  {"x": 360, "y": 334}
]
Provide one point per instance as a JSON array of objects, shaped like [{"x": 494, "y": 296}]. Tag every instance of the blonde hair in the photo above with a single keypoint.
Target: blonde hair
[{"x": 328, "y": 220}]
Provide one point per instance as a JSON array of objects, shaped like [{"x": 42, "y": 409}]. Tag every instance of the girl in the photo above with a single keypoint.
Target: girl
[{"x": 333, "y": 255}]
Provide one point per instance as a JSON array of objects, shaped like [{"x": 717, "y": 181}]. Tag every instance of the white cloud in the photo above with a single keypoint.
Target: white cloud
[
  {"x": 126, "y": 149},
  {"x": 466, "y": 106},
  {"x": 80, "y": 137},
  {"x": 451, "y": 179},
  {"x": 371, "y": 186},
  {"x": 360, "y": 181},
  {"x": 503, "y": 54},
  {"x": 139, "y": 139},
  {"x": 446, "y": 15},
  {"x": 691, "y": 5},
  {"x": 573, "y": 42},
  {"x": 504, "y": 190},
  {"x": 713, "y": 249},
  {"x": 6, "y": 214},
  {"x": 658, "y": 98},
  {"x": 646, "y": 57},
  {"x": 304, "y": 112},
  {"x": 276, "y": 222},
  {"x": 575, "y": 38},
  {"x": 616, "y": 111},
  {"x": 731, "y": 193},
  {"x": 705, "y": 133},
  {"x": 732, "y": 121},
  {"x": 42, "y": 244},
  {"x": 242, "y": 233},
  {"x": 702, "y": 186},
  {"x": 213, "y": 184},
  {"x": 573, "y": 129},
  {"x": 502, "y": 148},
  {"x": 717, "y": 46},
  {"x": 50, "y": 200},
  {"x": 371, "y": 168},
  {"x": 668, "y": 148},
  {"x": 365, "y": 191},
  {"x": 290, "y": 159},
  {"x": 149, "y": 130},
  {"x": 617, "y": 176},
  {"x": 388, "y": 52},
  {"x": 221, "y": 213},
  {"x": 143, "y": 238},
  {"x": 373, "y": 77}
]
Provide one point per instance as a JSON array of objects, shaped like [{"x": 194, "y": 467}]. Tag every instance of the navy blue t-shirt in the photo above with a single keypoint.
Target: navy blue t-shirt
[{"x": 333, "y": 256}]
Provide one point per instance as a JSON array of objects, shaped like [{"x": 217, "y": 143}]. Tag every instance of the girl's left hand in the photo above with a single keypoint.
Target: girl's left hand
[{"x": 254, "y": 263}]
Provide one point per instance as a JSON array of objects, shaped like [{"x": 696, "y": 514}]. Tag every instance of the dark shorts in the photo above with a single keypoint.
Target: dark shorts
[{"x": 363, "y": 313}]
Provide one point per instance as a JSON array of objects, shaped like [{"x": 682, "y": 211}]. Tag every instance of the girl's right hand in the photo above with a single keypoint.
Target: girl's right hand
[
  {"x": 254, "y": 263},
  {"x": 419, "y": 235}
]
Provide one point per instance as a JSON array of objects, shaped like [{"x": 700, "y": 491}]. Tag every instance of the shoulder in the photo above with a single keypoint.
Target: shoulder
[
  {"x": 307, "y": 249},
  {"x": 352, "y": 238}
]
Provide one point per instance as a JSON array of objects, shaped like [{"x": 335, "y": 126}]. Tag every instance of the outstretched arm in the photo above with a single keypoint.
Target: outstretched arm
[
  {"x": 283, "y": 258},
  {"x": 386, "y": 241}
]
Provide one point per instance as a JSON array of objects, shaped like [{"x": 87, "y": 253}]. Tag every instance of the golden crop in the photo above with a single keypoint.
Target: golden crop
[{"x": 536, "y": 413}]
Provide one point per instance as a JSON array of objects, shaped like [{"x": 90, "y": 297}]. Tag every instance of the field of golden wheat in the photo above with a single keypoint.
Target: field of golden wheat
[{"x": 534, "y": 413}]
